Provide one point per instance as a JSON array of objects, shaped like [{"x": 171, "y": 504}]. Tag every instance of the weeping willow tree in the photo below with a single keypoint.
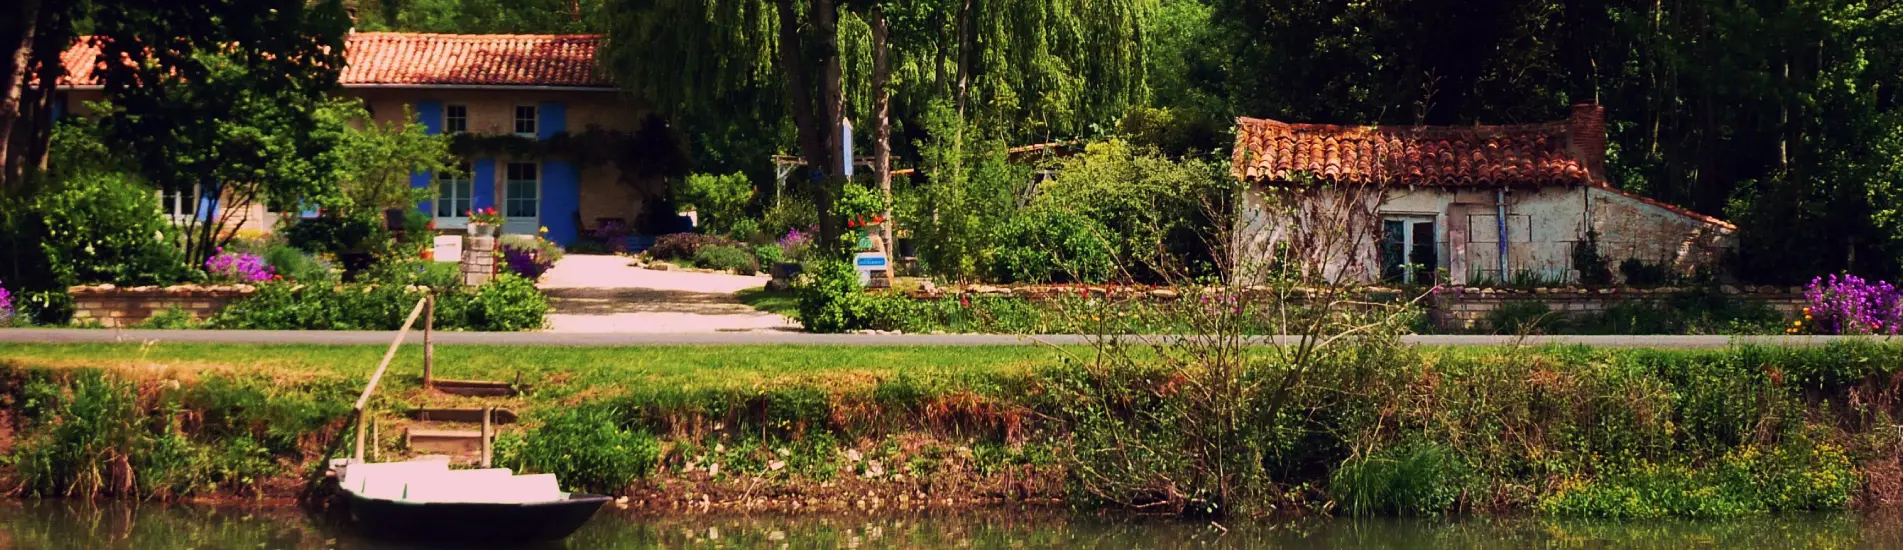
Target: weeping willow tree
[{"x": 1032, "y": 67}]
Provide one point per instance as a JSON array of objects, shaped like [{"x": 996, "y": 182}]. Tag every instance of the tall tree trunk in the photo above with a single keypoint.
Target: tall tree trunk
[
  {"x": 817, "y": 119},
  {"x": 27, "y": 17},
  {"x": 882, "y": 123},
  {"x": 832, "y": 113},
  {"x": 964, "y": 56}
]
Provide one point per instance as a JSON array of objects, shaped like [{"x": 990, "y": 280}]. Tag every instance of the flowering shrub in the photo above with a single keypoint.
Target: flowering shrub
[
  {"x": 6, "y": 307},
  {"x": 1850, "y": 305},
  {"x": 240, "y": 267},
  {"x": 485, "y": 216},
  {"x": 529, "y": 257},
  {"x": 794, "y": 245}
]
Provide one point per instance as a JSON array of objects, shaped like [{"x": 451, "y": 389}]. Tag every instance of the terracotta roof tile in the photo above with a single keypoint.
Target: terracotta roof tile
[
  {"x": 397, "y": 59},
  {"x": 1444, "y": 156}
]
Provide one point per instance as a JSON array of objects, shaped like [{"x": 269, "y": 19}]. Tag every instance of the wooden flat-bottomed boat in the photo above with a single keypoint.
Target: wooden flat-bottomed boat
[{"x": 428, "y": 502}]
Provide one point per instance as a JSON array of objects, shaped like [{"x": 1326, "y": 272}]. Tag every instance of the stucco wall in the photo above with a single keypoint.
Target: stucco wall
[{"x": 1543, "y": 226}]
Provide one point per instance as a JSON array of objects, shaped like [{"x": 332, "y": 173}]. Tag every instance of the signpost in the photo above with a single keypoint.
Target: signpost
[
  {"x": 872, "y": 267},
  {"x": 449, "y": 248}
]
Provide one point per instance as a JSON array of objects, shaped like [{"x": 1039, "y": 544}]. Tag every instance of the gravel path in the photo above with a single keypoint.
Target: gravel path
[{"x": 594, "y": 293}]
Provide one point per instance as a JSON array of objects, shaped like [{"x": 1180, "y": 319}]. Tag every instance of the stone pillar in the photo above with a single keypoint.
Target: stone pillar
[{"x": 479, "y": 260}]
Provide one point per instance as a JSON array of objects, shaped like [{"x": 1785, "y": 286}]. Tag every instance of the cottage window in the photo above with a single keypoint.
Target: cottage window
[
  {"x": 523, "y": 193},
  {"x": 455, "y": 118},
  {"x": 525, "y": 119},
  {"x": 1408, "y": 251},
  {"x": 179, "y": 203},
  {"x": 455, "y": 191}
]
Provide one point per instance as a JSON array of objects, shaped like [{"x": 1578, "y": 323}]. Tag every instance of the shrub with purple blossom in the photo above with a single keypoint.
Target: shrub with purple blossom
[
  {"x": 239, "y": 267},
  {"x": 794, "y": 245},
  {"x": 529, "y": 257},
  {"x": 6, "y": 306},
  {"x": 1848, "y": 304}
]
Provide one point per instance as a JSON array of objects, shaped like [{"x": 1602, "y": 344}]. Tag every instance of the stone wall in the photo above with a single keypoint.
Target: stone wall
[
  {"x": 1466, "y": 308},
  {"x": 115, "y": 307}
]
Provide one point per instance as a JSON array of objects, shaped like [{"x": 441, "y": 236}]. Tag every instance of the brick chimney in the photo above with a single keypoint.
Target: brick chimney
[{"x": 1587, "y": 130}]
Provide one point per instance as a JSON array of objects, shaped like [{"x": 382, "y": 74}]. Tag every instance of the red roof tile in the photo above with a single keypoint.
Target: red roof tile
[
  {"x": 1444, "y": 156},
  {"x": 418, "y": 59}
]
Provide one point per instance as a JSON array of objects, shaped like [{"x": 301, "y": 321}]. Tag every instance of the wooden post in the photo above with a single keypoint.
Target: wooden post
[
  {"x": 429, "y": 346},
  {"x": 487, "y": 445},
  {"x": 373, "y": 438}
]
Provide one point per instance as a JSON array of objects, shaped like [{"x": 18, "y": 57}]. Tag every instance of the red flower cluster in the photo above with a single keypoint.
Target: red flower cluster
[
  {"x": 490, "y": 211},
  {"x": 856, "y": 223}
]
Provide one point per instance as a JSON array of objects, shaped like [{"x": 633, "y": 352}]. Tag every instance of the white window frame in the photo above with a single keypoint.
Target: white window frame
[
  {"x": 175, "y": 207},
  {"x": 509, "y": 200},
  {"x": 1408, "y": 222},
  {"x": 458, "y": 215},
  {"x": 533, "y": 121},
  {"x": 448, "y": 118}
]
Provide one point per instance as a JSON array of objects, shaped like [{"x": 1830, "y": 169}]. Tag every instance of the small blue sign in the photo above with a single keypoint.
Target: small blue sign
[{"x": 872, "y": 261}]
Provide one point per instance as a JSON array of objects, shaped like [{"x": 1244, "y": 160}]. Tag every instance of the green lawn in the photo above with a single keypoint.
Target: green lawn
[
  {"x": 784, "y": 302},
  {"x": 684, "y": 367}
]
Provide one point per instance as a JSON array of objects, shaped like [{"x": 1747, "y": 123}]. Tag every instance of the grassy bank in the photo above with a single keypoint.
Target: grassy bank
[{"x": 1419, "y": 431}]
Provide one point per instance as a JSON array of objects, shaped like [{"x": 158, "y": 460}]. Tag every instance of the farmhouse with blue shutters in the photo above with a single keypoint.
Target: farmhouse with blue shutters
[{"x": 543, "y": 89}]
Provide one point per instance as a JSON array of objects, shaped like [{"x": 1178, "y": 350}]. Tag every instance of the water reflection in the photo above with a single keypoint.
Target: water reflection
[{"x": 78, "y": 525}]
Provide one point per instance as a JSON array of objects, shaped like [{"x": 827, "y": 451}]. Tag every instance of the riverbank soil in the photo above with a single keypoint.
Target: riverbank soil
[{"x": 1583, "y": 432}]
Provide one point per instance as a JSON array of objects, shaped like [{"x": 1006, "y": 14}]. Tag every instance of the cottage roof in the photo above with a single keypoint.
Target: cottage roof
[
  {"x": 401, "y": 59},
  {"x": 1557, "y": 153}
]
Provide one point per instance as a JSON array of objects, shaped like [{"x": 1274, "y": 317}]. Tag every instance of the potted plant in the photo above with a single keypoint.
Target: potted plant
[{"x": 485, "y": 222}]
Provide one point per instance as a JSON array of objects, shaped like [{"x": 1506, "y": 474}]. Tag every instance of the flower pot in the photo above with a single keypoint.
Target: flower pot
[{"x": 477, "y": 229}]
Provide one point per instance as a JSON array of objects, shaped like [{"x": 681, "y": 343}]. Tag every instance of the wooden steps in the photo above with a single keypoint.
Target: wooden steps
[
  {"x": 471, "y": 416},
  {"x": 475, "y": 388},
  {"x": 454, "y": 443}
]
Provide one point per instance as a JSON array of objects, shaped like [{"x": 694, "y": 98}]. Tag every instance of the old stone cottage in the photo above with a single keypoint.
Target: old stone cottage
[
  {"x": 541, "y": 88},
  {"x": 1474, "y": 204}
]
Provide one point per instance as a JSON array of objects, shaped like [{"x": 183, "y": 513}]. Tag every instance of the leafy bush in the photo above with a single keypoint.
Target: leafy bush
[
  {"x": 506, "y": 304},
  {"x": 297, "y": 265},
  {"x": 585, "y": 447},
  {"x": 726, "y": 257},
  {"x": 789, "y": 215},
  {"x": 830, "y": 299},
  {"x": 720, "y": 200},
  {"x": 509, "y": 303},
  {"x": 1142, "y": 200},
  {"x": 859, "y": 204},
  {"x": 768, "y": 254},
  {"x": 744, "y": 230},
  {"x": 683, "y": 246},
  {"x": 1047, "y": 245},
  {"x": 106, "y": 228},
  {"x": 173, "y": 318},
  {"x": 334, "y": 234}
]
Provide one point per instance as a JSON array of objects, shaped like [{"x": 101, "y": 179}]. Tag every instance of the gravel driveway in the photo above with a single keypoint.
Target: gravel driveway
[{"x": 595, "y": 293}]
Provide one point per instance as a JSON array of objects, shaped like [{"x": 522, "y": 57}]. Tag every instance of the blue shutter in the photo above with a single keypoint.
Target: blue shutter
[
  {"x": 484, "y": 184},
  {"x": 554, "y": 120},
  {"x": 207, "y": 205},
  {"x": 561, "y": 201},
  {"x": 421, "y": 180},
  {"x": 430, "y": 113}
]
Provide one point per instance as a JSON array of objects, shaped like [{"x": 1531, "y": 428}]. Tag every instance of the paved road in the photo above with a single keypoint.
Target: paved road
[
  {"x": 600, "y": 293},
  {"x": 758, "y": 338}
]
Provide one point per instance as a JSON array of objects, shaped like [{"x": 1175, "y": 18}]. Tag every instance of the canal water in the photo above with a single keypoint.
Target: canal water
[{"x": 68, "y": 525}]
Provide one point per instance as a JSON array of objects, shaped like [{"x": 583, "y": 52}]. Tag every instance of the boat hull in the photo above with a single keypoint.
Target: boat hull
[{"x": 487, "y": 523}]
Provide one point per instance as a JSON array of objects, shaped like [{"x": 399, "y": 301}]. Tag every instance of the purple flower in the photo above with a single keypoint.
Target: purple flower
[
  {"x": 240, "y": 267},
  {"x": 1848, "y": 304},
  {"x": 6, "y": 305},
  {"x": 526, "y": 261}
]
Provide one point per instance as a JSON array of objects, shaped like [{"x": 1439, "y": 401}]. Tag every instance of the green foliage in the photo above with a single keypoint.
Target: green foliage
[
  {"x": 103, "y": 227},
  {"x": 1045, "y": 245},
  {"x": 734, "y": 258},
  {"x": 587, "y": 448},
  {"x": 509, "y": 303},
  {"x": 333, "y": 234},
  {"x": 1154, "y": 211},
  {"x": 683, "y": 246},
  {"x": 1747, "y": 481},
  {"x": 969, "y": 191},
  {"x": 745, "y": 230},
  {"x": 1415, "y": 479},
  {"x": 1688, "y": 312},
  {"x": 377, "y": 159},
  {"x": 721, "y": 200},
  {"x": 789, "y": 215},
  {"x": 858, "y": 203},
  {"x": 483, "y": 16},
  {"x": 172, "y": 318},
  {"x": 1640, "y": 273},
  {"x": 830, "y": 298},
  {"x": 297, "y": 265},
  {"x": 765, "y": 255},
  {"x": 1590, "y": 264},
  {"x": 1524, "y": 317}
]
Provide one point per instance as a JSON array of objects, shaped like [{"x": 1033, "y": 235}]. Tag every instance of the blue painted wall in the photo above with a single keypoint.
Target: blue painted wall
[
  {"x": 484, "y": 174},
  {"x": 561, "y": 199},
  {"x": 430, "y": 113}
]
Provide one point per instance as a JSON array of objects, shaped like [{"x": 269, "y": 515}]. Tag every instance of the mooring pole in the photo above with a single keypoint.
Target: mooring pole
[
  {"x": 429, "y": 346},
  {"x": 487, "y": 432}
]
